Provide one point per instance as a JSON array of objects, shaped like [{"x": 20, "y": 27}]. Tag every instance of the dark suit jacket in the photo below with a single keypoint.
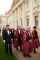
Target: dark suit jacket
[
  {"x": 28, "y": 37},
  {"x": 7, "y": 37},
  {"x": 12, "y": 34},
  {"x": 35, "y": 34},
  {"x": 19, "y": 37}
]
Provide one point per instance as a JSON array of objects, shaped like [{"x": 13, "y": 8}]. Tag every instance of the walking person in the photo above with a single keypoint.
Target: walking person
[
  {"x": 35, "y": 39},
  {"x": 19, "y": 37},
  {"x": 27, "y": 46},
  {"x": 7, "y": 39}
]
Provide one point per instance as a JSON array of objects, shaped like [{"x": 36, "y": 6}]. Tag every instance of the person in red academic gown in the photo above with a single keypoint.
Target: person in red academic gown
[
  {"x": 15, "y": 39},
  {"x": 29, "y": 39},
  {"x": 19, "y": 37},
  {"x": 35, "y": 39},
  {"x": 26, "y": 45}
]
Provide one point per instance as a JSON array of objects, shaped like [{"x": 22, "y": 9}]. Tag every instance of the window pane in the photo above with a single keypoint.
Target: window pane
[
  {"x": 27, "y": 22},
  {"x": 36, "y": 21}
]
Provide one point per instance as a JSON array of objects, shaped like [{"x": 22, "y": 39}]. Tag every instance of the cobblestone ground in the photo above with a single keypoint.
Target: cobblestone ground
[{"x": 20, "y": 56}]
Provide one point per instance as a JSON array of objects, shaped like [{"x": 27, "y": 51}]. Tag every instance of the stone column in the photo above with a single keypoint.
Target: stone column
[
  {"x": 31, "y": 21},
  {"x": 18, "y": 16},
  {"x": 39, "y": 25},
  {"x": 12, "y": 20},
  {"x": 15, "y": 20},
  {"x": 39, "y": 20},
  {"x": 23, "y": 14}
]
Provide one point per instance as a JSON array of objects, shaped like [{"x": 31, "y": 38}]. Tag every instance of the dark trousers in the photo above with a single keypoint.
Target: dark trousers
[
  {"x": 21, "y": 47},
  {"x": 10, "y": 48}
]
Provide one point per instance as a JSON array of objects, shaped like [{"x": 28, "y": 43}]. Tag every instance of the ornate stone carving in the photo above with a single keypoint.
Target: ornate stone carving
[
  {"x": 27, "y": 1},
  {"x": 35, "y": 3}
]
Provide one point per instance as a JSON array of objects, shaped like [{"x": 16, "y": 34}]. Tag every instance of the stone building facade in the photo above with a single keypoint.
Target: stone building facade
[{"x": 24, "y": 13}]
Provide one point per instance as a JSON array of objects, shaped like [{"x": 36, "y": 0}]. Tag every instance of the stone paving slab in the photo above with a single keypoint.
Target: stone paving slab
[{"x": 20, "y": 56}]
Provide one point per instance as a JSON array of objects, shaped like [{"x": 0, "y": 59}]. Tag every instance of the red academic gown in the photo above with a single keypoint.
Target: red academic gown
[
  {"x": 19, "y": 37},
  {"x": 26, "y": 46},
  {"x": 15, "y": 39},
  {"x": 28, "y": 38},
  {"x": 39, "y": 44},
  {"x": 35, "y": 40}
]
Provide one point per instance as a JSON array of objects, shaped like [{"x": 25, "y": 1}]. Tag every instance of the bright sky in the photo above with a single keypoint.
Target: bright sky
[{"x": 5, "y": 5}]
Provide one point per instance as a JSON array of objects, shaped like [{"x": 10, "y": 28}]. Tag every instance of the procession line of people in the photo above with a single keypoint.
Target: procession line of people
[{"x": 27, "y": 41}]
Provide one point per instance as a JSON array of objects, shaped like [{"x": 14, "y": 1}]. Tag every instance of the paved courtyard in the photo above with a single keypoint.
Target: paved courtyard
[{"x": 20, "y": 56}]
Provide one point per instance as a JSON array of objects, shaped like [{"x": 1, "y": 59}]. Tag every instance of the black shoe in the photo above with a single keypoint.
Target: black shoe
[
  {"x": 35, "y": 52},
  {"x": 16, "y": 48},
  {"x": 24, "y": 55},
  {"x": 21, "y": 50},
  {"x": 11, "y": 54},
  {"x": 6, "y": 53},
  {"x": 29, "y": 55}
]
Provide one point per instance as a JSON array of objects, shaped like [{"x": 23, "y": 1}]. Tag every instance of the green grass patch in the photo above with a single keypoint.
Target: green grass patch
[{"x": 3, "y": 55}]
